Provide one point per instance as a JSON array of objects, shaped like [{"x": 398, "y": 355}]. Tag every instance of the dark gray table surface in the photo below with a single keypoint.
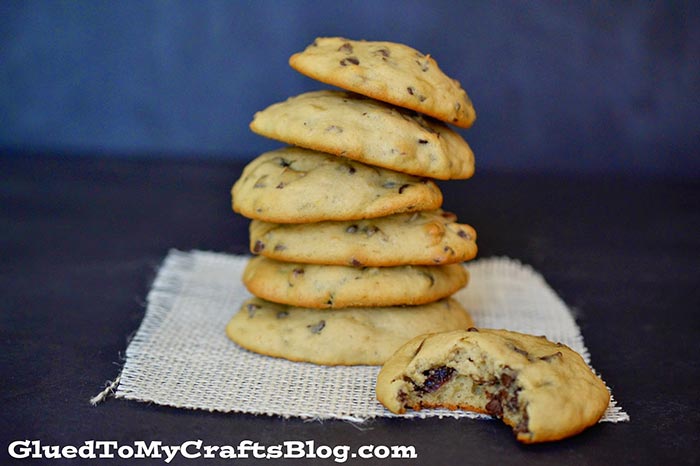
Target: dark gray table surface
[{"x": 80, "y": 239}]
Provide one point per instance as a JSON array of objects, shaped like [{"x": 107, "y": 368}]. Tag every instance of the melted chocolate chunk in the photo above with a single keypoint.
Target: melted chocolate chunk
[
  {"x": 436, "y": 378},
  {"x": 513, "y": 401},
  {"x": 402, "y": 397},
  {"x": 494, "y": 407},
  {"x": 522, "y": 426},
  {"x": 506, "y": 379}
]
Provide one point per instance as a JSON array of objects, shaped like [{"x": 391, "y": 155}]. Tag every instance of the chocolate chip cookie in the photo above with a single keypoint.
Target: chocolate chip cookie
[
  {"x": 419, "y": 238},
  {"x": 389, "y": 72},
  {"x": 294, "y": 185},
  {"x": 373, "y": 132},
  {"x": 545, "y": 391},
  {"x": 338, "y": 286},
  {"x": 352, "y": 336}
]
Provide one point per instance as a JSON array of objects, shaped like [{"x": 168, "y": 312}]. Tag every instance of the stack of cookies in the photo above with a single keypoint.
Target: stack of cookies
[{"x": 354, "y": 255}]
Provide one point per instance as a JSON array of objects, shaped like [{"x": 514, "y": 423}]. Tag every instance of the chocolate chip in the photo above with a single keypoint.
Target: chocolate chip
[
  {"x": 384, "y": 52},
  {"x": 422, "y": 141},
  {"x": 355, "y": 263},
  {"x": 329, "y": 302},
  {"x": 297, "y": 272},
  {"x": 281, "y": 185},
  {"x": 251, "y": 309},
  {"x": 506, "y": 379},
  {"x": 436, "y": 378},
  {"x": 351, "y": 169},
  {"x": 472, "y": 329},
  {"x": 463, "y": 234},
  {"x": 513, "y": 402},
  {"x": 430, "y": 277},
  {"x": 520, "y": 351},
  {"x": 370, "y": 230},
  {"x": 346, "y": 47},
  {"x": 351, "y": 229},
  {"x": 449, "y": 249},
  {"x": 280, "y": 247},
  {"x": 284, "y": 162},
  {"x": 402, "y": 188},
  {"x": 349, "y": 60},
  {"x": 258, "y": 246},
  {"x": 410, "y": 90},
  {"x": 402, "y": 396},
  {"x": 449, "y": 216},
  {"x": 550, "y": 357},
  {"x": 522, "y": 427},
  {"x": 423, "y": 65},
  {"x": 316, "y": 328},
  {"x": 282, "y": 314},
  {"x": 494, "y": 407}
]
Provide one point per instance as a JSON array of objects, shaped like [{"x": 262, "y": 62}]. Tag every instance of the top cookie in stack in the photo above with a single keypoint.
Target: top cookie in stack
[{"x": 355, "y": 255}]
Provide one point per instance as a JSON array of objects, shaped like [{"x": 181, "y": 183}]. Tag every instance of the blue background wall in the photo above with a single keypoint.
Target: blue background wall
[{"x": 558, "y": 86}]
